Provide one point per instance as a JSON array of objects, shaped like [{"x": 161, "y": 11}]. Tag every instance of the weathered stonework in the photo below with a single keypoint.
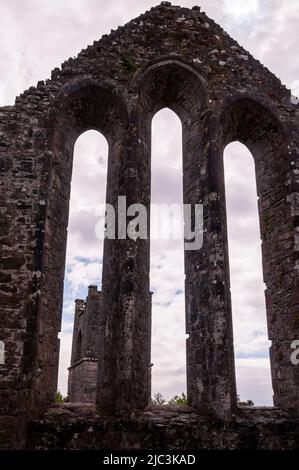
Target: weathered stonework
[
  {"x": 84, "y": 360},
  {"x": 179, "y": 58},
  {"x": 71, "y": 426}
]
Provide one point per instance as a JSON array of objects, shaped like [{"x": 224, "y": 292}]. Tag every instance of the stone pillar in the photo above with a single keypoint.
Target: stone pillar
[
  {"x": 279, "y": 217},
  {"x": 23, "y": 175},
  {"x": 210, "y": 360},
  {"x": 124, "y": 355}
]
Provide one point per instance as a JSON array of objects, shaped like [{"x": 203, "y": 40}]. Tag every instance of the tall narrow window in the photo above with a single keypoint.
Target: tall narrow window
[
  {"x": 84, "y": 250},
  {"x": 167, "y": 261},
  {"x": 247, "y": 287},
  {"x": 78, "y": 346}
]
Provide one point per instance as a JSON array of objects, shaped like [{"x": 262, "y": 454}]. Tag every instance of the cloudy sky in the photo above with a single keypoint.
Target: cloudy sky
[{"x": 38, "y": 35}]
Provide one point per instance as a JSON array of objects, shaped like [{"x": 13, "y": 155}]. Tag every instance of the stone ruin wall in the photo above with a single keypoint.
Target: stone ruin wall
[
  {"x": 169, "y": 57},
  {"x": 85, "y": 345}
]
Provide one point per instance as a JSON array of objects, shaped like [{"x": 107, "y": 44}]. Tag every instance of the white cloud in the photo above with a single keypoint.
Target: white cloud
[
  {"x": 83, "y": 273},
  {"x": 254, "y": 381},
  {"x": 239, "y": 9}
]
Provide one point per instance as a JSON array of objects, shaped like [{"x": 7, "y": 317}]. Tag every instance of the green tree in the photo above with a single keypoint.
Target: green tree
[
  {"x": 58, "y": 397},
  {"x": 250, "y": 403},
  {"x": 178, "y": 400},
  {"x": 244, "y": 403},
  {"x": 158, "y": 399}
]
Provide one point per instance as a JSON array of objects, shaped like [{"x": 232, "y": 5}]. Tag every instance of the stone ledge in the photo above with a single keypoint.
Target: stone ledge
[
  {"x": 84, "y": 359},
  {"x": 80, "y": 426}
]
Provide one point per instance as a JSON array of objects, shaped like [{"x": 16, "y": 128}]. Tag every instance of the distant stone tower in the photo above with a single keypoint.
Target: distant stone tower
[{"x": 84, "y": 358}]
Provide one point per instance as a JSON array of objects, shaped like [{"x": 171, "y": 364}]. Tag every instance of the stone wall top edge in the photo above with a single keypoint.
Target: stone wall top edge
[{"x": 72, "y": 67}]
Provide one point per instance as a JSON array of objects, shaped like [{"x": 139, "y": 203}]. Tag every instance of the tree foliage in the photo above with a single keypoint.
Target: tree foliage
[
  {"x": 178, "y": 400},
  {"x": 158, "y": 399},
  {"x": 244, "y": 403},
  {"x": 59, "y": 398}
]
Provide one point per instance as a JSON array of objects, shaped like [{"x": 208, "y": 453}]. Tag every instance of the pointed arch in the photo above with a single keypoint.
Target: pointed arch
[
  {"x": 84, "y": 106},
  {"x": 253, "y": 377},
  {"x": 84, "y": 250},
  {"x": 258, "y": 127},
  {"x": 167, "y": 260}
]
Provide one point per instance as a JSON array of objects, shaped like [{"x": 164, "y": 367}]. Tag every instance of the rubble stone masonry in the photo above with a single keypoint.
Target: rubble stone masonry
[{"x": 168, "y": 57}]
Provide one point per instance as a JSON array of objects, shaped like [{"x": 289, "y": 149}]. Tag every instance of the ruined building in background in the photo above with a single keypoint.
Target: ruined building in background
[
  {"x": 85, "y": 347},
  {"x": 168, "y": 57}
]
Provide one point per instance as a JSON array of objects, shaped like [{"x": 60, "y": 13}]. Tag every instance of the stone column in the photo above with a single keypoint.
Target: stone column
[
  {"x": 23, "y": 175},
  {"x": 279, "y": 217},
  {"x": 210, "y": 360},
  {"x": 124, "y": 356}
]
